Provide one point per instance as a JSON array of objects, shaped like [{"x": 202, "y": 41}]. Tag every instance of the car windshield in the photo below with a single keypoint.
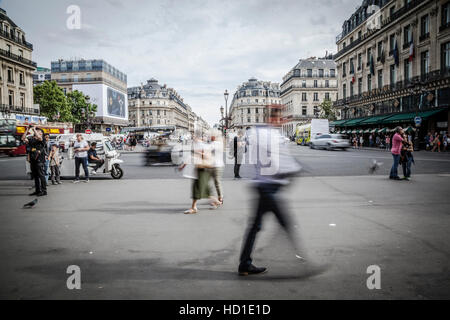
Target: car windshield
[{"x": 108, "y": 145}]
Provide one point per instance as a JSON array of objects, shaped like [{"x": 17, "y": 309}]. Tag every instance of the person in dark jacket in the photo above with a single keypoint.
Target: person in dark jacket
[
  {"x": 238, "y": 153},
  {"x": 37, "y": 157}
]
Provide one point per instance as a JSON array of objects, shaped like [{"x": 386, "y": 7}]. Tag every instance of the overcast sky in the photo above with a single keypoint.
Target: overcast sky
[{"x": 198, "y": 47}]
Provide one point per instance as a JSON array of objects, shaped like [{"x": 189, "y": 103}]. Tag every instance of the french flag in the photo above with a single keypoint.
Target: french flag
[{"x": 411, "y": 49}]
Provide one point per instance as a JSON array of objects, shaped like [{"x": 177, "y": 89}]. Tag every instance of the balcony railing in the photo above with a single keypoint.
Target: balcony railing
[
  {"x": 18, "y": 109},
  {"x": 424, "y": 36},
  {"x": 22, "y": 42},
  {"x": 399, "y": 85},
  {"x": 17, "y": 58},
  {"x": 397, "y": 14},
  {"x": 308, "y": 87},
  {"x": 444, "y": 26}
]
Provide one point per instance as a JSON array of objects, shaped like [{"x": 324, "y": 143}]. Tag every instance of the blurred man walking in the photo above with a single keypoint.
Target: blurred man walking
[{"x": 274, "y": 167}]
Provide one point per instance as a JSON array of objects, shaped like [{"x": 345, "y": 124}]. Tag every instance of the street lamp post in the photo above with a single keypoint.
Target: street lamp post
[
  {"x": 226, "y": 110},
  {"x": 415, "y": 89}
]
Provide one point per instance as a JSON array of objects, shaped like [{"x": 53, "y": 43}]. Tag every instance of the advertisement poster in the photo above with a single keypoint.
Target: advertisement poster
[{"x": 116, "y": 103}]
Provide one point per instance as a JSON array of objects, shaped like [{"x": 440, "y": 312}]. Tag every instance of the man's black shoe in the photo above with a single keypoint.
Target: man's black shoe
[
  {"x": 43, "y": 193},
  {"x": 252, "y": 270}
]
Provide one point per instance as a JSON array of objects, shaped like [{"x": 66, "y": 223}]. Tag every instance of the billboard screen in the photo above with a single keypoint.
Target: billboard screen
[
  {"x": 116, "y": 103},
  {"x": 110, "y": 102}
]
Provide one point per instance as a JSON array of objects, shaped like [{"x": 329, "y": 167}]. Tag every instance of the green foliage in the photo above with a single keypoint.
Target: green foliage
[
  {"x": 73, "y": 107},
  {"x": 80, "y": 107},
  {"x": 52, "y": 101},
  {"x": 327, "y": 110}
]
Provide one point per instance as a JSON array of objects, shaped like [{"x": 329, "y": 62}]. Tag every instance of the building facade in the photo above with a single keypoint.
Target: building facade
[
  {"x": 104, "y": 84},
  {"x": 304, "y": 88},
  {"x": 40, "y": 75},
  {"x": 154, "y": 105},
  {"x": 248, "y": 107},
  {"x": 16, "y": 69},
  {"x": 393, "y": 63}
]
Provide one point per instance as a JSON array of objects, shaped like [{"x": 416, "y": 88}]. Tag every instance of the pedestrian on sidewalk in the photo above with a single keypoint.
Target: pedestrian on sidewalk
[
  {"x": 37, "y": 157},
  {"x": 396, "y": 151},
  {"x": 55, "y": 165},
  {"x": 388, "y": 142},
  {"x": 406, "y": 157},
  {"x": 47, "y": 161},
  {"x": 428, "y": 141},
  {"x": 238, "y": 148},
  {"x": 81, "y": 148},
  {"x": 217, "y": 170},
  {"x": 203, "y": 163},
  {"x": 271, "y": 177},
  {"x": 361, "y": 141},
  {"x": 94, "y": 158},
  {"x": 437, "y": 143}
]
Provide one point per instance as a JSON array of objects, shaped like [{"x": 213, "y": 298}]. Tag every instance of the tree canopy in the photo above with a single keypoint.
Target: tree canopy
[{"x": 57, "y": 106}]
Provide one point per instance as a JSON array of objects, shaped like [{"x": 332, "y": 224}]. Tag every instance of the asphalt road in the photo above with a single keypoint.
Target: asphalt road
[
  {"x": 131, "y": 240},
  {"x": 314, "y": 162}
]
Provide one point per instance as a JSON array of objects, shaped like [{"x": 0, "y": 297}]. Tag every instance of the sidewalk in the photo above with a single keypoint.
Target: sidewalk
[{"x": 132, "y": 241}]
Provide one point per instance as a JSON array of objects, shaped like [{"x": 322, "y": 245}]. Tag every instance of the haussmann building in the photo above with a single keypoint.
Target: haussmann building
[{"x": 393, "y": 64}]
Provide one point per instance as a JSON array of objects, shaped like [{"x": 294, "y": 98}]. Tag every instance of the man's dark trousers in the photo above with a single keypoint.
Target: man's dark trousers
[
  {"x": 38, "y": 172},
  {"x": 98, "y": 163},
  {"x": 84, "y": 162},
  {"x": 237, "y": 166},
  {"x": 267, "y": 202}
]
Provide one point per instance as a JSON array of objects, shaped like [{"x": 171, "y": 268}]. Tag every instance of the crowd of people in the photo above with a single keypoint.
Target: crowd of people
[
  {"x": 45, "y": 159},
  {"x": 434, "y": 142}
]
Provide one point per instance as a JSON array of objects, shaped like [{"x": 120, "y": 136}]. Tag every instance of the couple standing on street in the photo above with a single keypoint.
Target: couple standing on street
[{"x": 402, "y": 153}]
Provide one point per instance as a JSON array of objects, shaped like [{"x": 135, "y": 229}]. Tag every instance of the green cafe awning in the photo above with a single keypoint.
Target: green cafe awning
[
  {"x": 374, "y": 130},
  {"x": 353, "y": 122},
  {"x": 409, "y": 116},
  {"x": 338, "y": 123},
  {"x": 374, "y": 119},
  {"x": 384, "y": 130},
  {"x": 367, "y": 130}
]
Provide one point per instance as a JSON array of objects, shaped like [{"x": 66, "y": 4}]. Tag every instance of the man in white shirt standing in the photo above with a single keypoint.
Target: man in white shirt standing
[{"x": 81, "y": 148}]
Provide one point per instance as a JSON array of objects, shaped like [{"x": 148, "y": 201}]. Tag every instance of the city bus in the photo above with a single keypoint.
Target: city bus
[{"x": 11, "y": 136}]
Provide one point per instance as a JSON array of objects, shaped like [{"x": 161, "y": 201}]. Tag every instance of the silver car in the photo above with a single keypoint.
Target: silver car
[{"x": 330, "y": 142}]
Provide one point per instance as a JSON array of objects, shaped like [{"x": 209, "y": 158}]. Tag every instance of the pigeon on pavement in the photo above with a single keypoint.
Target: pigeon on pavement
[
  {"x": 375, "y": 166},
  {"x": 31, "y": 204}
]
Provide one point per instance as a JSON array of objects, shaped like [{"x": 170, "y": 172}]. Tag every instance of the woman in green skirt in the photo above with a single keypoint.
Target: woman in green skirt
[{"x": 204, "y": 163}]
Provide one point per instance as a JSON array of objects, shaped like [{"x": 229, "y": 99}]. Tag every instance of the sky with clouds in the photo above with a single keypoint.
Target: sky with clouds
[{"x": 198, "y": 47}]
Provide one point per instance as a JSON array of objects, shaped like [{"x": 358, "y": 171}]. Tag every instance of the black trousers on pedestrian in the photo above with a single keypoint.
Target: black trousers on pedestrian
[
  {"x": 38, "y": 172},
  {"x": 267, "y": 202},
  {"x": 237, "y": 167},
  {"x": 84, "y": 162},
  {"x": 98, "y": 163}
]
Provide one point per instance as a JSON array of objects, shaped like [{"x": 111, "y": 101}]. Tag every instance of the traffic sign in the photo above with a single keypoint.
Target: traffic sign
[
  {"x": 108, "y": 129},
  {"x": 417, "y": 121},
  {"x": 88, "y": 131}
]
